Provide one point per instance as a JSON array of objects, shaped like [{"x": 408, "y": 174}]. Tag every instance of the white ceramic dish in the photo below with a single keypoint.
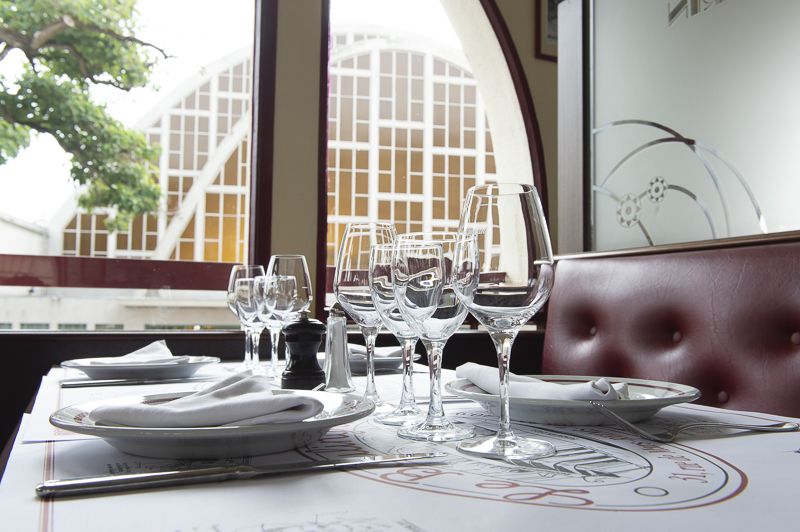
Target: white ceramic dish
[
  {"x": 214, "y": 442},
  {"x": 646, "y": 398},
  {"x": 358, "y": 364},
  {"x": 139, "y": 371}
]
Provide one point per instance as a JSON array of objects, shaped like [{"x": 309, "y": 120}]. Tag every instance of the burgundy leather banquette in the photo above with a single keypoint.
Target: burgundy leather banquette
[{"x": 725, "y": 320}]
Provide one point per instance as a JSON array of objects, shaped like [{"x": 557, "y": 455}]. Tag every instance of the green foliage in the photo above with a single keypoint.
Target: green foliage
[{"x": 70, "y": 45}]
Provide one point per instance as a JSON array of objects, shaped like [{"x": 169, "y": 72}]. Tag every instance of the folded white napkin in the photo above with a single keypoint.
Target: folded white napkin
[
  {"x": 155, "y": 353},
  {"x": 241, "y": 399},
  {"x": 360, "y": 351},
  {"x": 530, "y": 388}
]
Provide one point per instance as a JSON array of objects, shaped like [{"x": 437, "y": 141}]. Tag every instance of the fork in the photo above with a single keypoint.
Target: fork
[{"x": 668, "y": 436}]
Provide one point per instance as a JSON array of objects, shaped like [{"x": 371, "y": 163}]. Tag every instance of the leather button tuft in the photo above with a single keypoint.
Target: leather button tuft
[
  {"x": 593, "y": 330},
  {"x": 676, "y": 336},
  {"x": 796, "y": 338},
  {"x": 722, "y": 397}
]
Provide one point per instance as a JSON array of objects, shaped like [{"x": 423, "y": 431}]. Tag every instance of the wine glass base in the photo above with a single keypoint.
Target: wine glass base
[
  {"x": 258, "y": 369},
  {"x": 402, "y": 416},
  {"x": 381, "y": 406},
  {"x": 514, "y": 448},
  {"x": 435, "y": 432}
]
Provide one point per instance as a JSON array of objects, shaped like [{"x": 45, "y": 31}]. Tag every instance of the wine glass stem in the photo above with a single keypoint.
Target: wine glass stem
[
  {"x": 256, "y": 335},
  {"x": 248, "y": 347},
  {"x": 435, "y": 411},
  {"x": 370, "y": 334},
  {"x": 503, "y": 343},
  {"x": 274, "y": 337},
  {"x": 407, "y": 396}
]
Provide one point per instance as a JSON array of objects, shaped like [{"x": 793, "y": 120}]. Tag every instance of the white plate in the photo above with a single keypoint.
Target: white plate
[
  {"x": 646, "y": 398},
  {"x": 139, "y": 371},
  {"x": 358, "y": 364},
  {"x": 214, "y": 442}
]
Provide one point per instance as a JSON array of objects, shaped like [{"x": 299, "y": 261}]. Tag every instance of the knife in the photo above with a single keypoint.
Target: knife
[
  {"x": 106, "y": 483},
  {"x": 133, "y": 382}
]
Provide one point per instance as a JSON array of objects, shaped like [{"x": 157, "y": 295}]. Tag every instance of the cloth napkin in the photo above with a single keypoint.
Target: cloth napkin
[
  {"x": 360, "y": 351},
  {"x": 241, "y": 399},
  {"x": 530, "y": 388},
  {"x": 155, "y": 353}
]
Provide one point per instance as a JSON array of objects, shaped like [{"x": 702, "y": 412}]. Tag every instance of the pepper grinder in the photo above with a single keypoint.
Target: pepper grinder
[
  {"x": 303, "y": 337},
  {"x": 337, "y": 363}
]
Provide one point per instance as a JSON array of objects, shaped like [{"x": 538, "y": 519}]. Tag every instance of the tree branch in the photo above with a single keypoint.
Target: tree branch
[
  {"x": 13, "y": 39},
  {"x": 118, "y": 36},
  {"x": 78, "y": 57},
  {"x": 51, "y": 30}
]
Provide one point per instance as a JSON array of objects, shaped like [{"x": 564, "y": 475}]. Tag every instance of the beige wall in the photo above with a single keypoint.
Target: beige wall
[
  {"x": 295, "y": 190},
  {"x": 519, "y": 16}
]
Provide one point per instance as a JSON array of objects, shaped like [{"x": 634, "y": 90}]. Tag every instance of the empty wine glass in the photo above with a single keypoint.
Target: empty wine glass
[
  {"x": 243, "y": 271},
  {"x": 247, "y": 307},
  {"x": 422, "y": 269},
  {"x": 280, "y": 295},
  {"x": 294, "y": 266},
  {"x": 291, "y": 266},
  {"x": 351, "y": 288},
  {"x": 504, "y": 274},
  {"x": 380, "y": 285},
  {"x": 276, "y": 296}
]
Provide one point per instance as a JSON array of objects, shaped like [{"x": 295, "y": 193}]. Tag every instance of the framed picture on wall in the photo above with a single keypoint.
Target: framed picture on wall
[{"x": 546, "y": 30}]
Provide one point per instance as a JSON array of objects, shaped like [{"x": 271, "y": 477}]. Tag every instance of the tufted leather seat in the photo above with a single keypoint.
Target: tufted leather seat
[{"x": 724, "y": 320}]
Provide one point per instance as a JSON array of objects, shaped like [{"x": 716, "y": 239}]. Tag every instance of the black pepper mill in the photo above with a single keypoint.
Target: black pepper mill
[{"x": 303, "y": 338}]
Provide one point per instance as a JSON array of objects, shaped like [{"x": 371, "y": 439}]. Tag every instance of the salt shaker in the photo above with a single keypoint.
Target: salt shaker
[{"x": 337, "y": 363}]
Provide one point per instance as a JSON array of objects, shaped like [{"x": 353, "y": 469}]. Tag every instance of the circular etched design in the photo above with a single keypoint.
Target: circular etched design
[
  {"x": 629, "y": 210},
  {"x": 657, "y": 190}
]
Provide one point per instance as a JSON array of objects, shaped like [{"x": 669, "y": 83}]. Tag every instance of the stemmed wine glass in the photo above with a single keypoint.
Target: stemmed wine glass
[
  {"x": 276, "y": 297},
  {"x": 280, "y": 295},
  {"x": 288, "y": 266},
  {"x": 380, "y": 286},
  {"x": 247, "y": 306},
  {"x": 423, "y": 285},
  {"x": 351, "y": 288},
  {"x": 243, "y": 271},
  {"x": 504, "y": 274}
]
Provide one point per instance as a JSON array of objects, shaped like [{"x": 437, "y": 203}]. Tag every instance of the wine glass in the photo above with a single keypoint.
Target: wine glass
[
  {"x": 243, "y": 271},
  {"x": 423, "y": 285},
  {"x": 276, "y": 297},
  {"x": 351, "y": 288},
  {"x": 247, "y": 307},
  {"x": 380, "y": 286},
  {"x": 291, "y": 266},
  {"x": 504, "y": 274},
  {"x": 280, "y": 295},
  {"x": 294, "y": 266}
]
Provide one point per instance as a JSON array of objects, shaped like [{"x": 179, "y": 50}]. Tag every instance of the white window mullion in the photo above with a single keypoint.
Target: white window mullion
[
  {"x": 374, "y": 133},
  {"x": 427, "y": 144}
]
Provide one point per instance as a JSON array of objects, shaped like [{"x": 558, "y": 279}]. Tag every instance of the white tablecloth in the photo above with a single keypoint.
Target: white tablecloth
[{"x": 600, "y": 479}]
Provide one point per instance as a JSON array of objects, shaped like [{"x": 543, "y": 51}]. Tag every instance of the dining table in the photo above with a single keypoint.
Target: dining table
[{"x": 600, "y": 477}]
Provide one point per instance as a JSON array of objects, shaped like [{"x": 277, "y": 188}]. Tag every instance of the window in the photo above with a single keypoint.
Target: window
[
  {"x": 39, "y": 326},
  {"x": 422, "y": 125},
  {"x": 407, "y": 152},
  {"x": 200, "y": 119}
]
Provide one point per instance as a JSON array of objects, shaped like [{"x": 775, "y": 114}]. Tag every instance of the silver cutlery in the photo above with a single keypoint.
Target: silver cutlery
[
  {"x": 83, "y": 383},
  {"x": 107, "y": 483},
  {"x": 668, "y": 436}
]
